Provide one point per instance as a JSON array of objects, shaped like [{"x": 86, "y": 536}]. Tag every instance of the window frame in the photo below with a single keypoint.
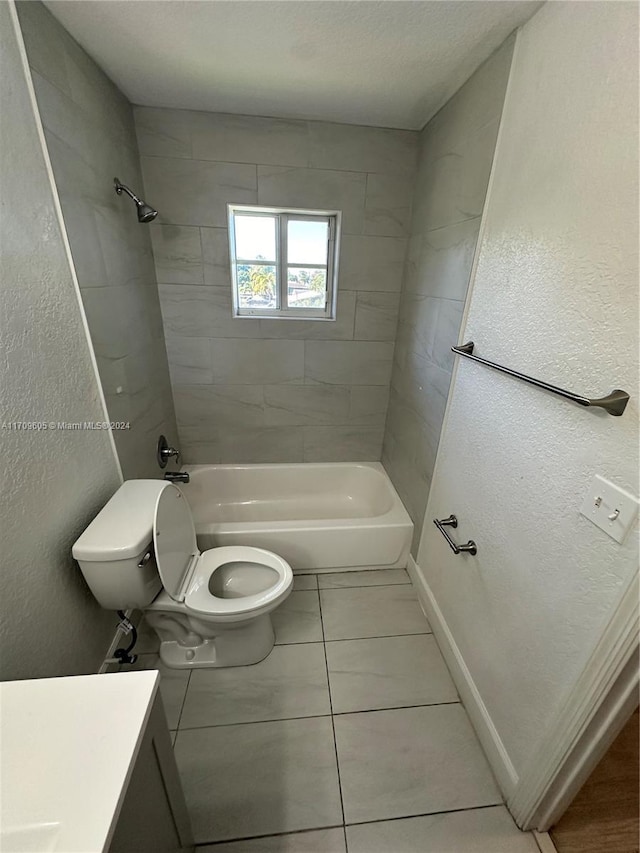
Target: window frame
[{"x": 282, "y": 264}]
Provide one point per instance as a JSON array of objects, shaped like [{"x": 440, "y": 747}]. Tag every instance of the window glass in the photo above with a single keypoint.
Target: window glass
[
  {"x": 307, "y": 241},
  {"x": 255, "y": 238},
  {"x": 306, "y": 287},
  {"x": 284, "y": 262},
  {"x": 257, "y": 286}
]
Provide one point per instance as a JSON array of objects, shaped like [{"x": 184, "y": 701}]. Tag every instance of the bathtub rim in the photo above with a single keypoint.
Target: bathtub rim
[{"x": 396, "y": 516}]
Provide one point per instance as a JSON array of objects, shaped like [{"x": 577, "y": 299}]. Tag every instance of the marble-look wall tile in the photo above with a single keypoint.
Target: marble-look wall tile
[
  {"x": 455, "y": 184},
  {"x": 178, "y": 254},
  {"x": 388, "y": 205},
  {"x": 473, "y": 105},
  {"x": 348, "y": 362},
  {"x": 112, "y": 318},
  {"x": 187, "y": 310},
  {"x": 61, "y": 116},
  {"x": 376, "y": 316},
  {"x": 372, "y": 263},
  {"x": 315, "y": 189},
  {"x": 342, "y": 443},
  {"x": 46, "y": 44},
  {"x": 197, "y": 192},
  {"x": 362, "y": 149},
  {"x": 200, "y": 452},
  {"x": 201, "y": 409},
  {"x": 90, "y": 135},
  {"x": 261, "y": 444},
  {"x": 447, "y": 331},
  {"x": 86, "y": 249},
  {"x": 456, "y": 153},
  {"x": 340, "y": 329},
  {"x": 249, "y": 139},
  {"x": 420, "y": 384},
  {"x": 255, "y": 362},
  {"x": 344, "y": 381},
  {"x": 202, "y": 311},
  {"x": 97, "y": 96},
  {"x": 163, "y": 133},
  {"x": 304, "y": 405},
  {"x": 418, "y": 439},
  {"x": 418, "y": 321},
  {"x": 442, "y": 260},
  {"x": 215, "y": 256},
  {"x": 189, "y": 360},
  {"x": 369, "y": 405}
]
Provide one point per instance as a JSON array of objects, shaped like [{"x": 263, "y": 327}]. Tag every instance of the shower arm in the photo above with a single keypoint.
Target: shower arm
[{"x": 122, "y": 187}]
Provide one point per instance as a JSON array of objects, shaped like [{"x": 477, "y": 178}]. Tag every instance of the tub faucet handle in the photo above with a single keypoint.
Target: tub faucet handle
[{"x": 165, "y": 452}]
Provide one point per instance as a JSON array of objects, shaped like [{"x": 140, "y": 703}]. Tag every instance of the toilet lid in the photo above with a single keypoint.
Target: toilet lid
[{"x": 174, "y": 540}]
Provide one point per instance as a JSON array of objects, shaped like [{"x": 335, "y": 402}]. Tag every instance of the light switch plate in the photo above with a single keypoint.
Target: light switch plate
[{"x": 610, "y": 508}]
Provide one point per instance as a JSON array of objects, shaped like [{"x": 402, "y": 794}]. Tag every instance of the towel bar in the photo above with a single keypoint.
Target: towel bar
[{"x": 615, "y": 403}]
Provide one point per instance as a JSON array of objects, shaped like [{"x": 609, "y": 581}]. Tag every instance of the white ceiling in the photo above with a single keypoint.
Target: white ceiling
[{"x": 391, "y": 63}]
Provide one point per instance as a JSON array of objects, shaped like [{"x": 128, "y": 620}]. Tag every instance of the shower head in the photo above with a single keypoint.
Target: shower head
[{"x": 146, "y": 213}]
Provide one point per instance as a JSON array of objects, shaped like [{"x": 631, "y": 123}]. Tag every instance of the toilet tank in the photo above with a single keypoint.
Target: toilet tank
[{"x": 115, "y": 552}]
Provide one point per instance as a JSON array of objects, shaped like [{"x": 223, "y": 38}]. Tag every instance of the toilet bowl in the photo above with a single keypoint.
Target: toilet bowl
[
  {"x": 209, "y": 609},
  {"x": 220, "y": 598}
]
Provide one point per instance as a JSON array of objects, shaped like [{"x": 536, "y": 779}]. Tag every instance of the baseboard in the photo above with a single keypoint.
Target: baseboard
[
  {"x": 492, "y": 745},
  {"x": 109, "y": 664},
  {"x": 544, "y": 842}
]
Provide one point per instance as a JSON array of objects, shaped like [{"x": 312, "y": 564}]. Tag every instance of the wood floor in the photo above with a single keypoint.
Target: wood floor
[{"x": 603, "y": 818}]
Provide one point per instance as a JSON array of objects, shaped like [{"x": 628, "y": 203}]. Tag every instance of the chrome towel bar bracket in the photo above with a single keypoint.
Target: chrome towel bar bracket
[
  {"x": 614, "y": 403},
  {"x": 452, "y": 521}
]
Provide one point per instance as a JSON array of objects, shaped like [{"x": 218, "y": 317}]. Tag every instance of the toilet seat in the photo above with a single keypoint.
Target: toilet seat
[
  {"x": 186, "y": 573},
  {"x": 200, "y": 599}
]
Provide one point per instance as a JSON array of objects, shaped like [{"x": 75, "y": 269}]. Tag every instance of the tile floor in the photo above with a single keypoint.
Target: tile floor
[{"x": 348, "y": 737}]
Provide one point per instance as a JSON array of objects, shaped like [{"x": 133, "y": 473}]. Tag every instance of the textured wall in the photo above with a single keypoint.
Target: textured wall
[
  {"x": 91, "y": 138},
  {"x": 256, "y": 390},
  {"x": 53, "y": 482},
  {"x": 555, "y": 295},
  {"x": 456, "y": 152}
]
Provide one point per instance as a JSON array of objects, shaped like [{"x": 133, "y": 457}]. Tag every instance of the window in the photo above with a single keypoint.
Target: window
[{"x": 284, "y": 262}]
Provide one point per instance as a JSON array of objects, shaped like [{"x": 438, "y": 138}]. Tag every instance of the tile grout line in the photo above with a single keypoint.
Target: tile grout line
[
  {"x": 332, "y": 714},
  {"x": 272, "y": 835},
  {"x": 320, "y": 716},
  {"x": 183, "y": 703},
  {"x": 365, "y": 585},
  {"x": 356, "y": 823},
  {"x": 379, "y": 637},
  {"x": 333, "y": 726},
  {"x": 355, "y": 639},
  {"x": 429, "y": 814}
]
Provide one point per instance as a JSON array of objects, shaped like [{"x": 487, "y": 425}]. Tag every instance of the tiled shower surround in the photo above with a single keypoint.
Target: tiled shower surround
[
  {"x": 91, "y": 139},
  {"x": 262, "y": 390},
  {"x": 456, "y": 153},
  {"x": 265, "y": 390}
]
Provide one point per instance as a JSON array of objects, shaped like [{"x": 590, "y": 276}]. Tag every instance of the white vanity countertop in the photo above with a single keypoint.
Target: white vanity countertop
[{"x": 68, "y": 747}]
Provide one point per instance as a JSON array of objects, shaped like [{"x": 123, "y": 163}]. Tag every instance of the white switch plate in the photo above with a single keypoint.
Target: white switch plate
[{"x": 613, "y": 501}]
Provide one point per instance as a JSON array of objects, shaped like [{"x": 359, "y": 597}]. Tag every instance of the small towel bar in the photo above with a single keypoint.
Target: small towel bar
[{"x": 615, "y": 403}]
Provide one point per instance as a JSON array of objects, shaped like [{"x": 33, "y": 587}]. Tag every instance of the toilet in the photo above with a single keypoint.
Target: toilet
[{"x": 210, "y": 609}]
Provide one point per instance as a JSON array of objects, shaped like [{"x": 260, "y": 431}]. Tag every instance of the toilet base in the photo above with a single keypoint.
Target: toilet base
[{"x": 221, "y": 645}]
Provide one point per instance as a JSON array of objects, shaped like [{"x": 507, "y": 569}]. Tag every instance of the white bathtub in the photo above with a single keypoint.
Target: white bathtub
[{"x": 317, "y": 516}]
